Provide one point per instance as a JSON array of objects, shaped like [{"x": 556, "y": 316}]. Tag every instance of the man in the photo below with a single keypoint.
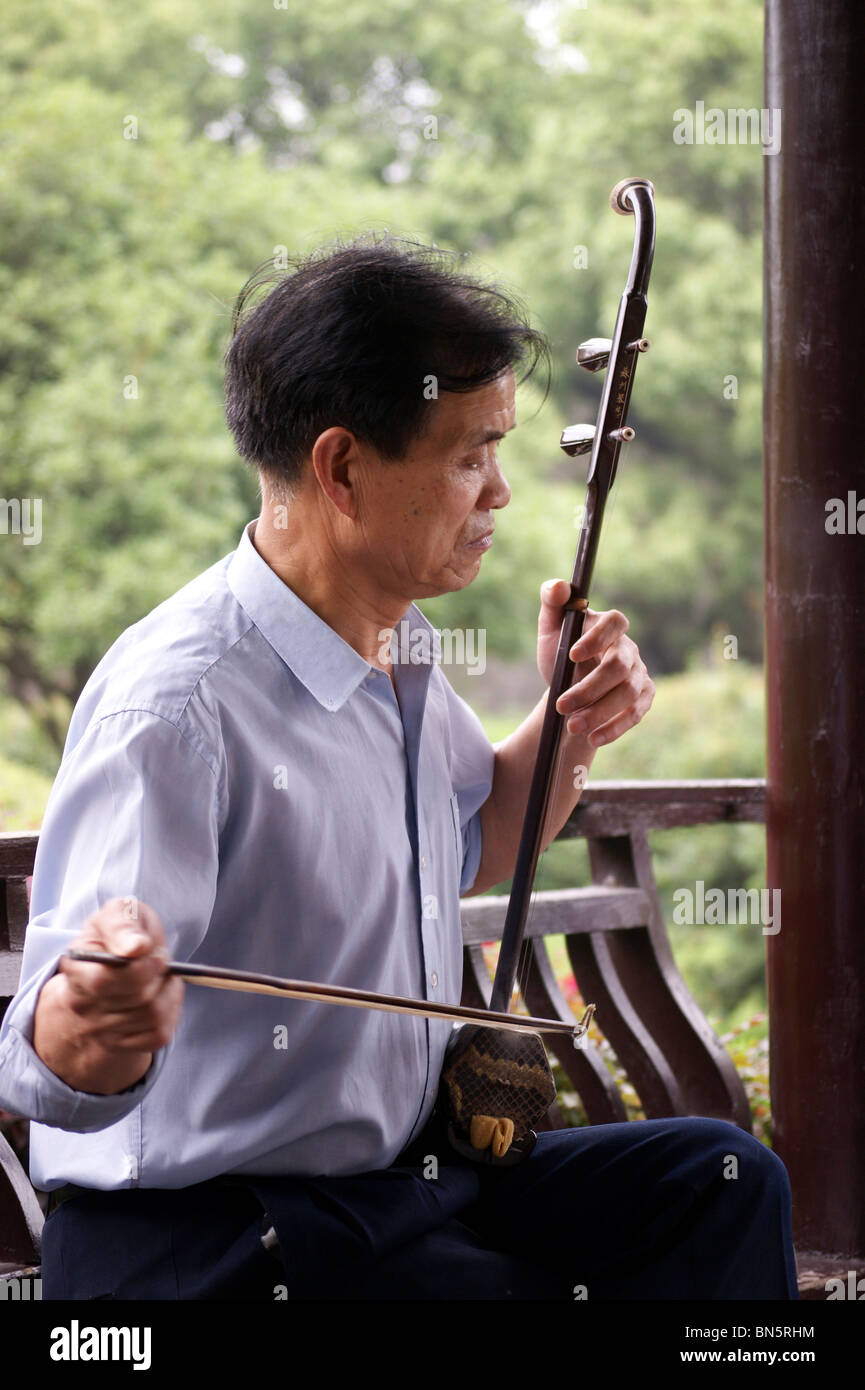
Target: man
[{"x": 259, "y": 775}]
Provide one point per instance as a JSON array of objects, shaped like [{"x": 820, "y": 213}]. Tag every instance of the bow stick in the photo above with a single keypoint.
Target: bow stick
[{"x": 220, "y": 977}]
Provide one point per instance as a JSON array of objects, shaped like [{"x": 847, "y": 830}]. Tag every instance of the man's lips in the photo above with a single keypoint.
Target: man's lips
[{"x": 481, "y": 542}]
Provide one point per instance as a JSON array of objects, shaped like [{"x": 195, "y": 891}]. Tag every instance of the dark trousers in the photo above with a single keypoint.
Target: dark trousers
[{"x": 651, "y": 1209}]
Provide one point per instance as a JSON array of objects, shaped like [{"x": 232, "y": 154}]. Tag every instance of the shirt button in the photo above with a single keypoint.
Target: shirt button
[
  {"x": 423, "y": 861},
  {"x": 434, "y": 979}
]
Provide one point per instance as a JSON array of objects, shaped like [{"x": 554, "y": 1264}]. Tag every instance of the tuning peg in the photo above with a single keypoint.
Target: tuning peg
[
  {"x": 578, "y": 439},
  {"x": 594, "y": 354}
]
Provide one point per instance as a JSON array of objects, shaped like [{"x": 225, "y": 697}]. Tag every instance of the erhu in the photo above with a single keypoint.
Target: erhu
[
  {"x": 499, "y": 1085},
  {"x": 496, "y": 1078}
]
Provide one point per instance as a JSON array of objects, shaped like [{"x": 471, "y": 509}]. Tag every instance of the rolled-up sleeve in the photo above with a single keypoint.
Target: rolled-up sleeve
[
  {"x": 472, "y": 767},
  {"x": 134, "y": 813}
]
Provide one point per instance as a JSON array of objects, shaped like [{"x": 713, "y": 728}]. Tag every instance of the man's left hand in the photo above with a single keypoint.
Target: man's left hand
[{"x": 613, "y": 689}]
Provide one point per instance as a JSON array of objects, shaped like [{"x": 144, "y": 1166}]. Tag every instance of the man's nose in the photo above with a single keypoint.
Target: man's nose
[{"x": 498, "y": 494}]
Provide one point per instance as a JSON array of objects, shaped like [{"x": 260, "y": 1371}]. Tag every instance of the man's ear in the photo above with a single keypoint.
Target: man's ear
[{"x": 335, "y": 460}]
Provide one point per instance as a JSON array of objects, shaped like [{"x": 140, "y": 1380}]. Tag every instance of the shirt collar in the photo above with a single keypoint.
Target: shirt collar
[{"x": 321, "y": 660}]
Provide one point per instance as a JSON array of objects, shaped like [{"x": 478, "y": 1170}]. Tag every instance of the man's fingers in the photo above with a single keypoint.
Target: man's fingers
[
  {"x": 141, "y": 1029},
  {"x": 599, "y": 632},
  {"x": 609, "y": 717},
  {"x": 619, "y": 669},
  {"x": 627, "y": 719},
  {"x": 113, "y": 989},
  {"x": 555, "y": 593},
  {"x": 123, "y": 927},
  {"x": 614, "y": 689}
]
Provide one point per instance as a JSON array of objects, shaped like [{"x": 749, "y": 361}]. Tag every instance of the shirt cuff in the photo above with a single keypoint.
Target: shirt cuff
[{"x": 29, "y": 1088}]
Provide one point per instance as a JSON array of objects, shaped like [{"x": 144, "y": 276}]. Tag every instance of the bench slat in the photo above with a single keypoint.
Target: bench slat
[
  {"x": 567, "y": 910},
  {"x": 17, "y": 853}
]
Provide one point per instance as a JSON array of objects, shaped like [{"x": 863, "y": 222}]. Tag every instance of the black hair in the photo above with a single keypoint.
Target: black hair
[{"x": 354, "y": 335}]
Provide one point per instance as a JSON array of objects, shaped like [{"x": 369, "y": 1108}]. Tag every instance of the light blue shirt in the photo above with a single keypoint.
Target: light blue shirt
[{"x": 236, "y": 765}]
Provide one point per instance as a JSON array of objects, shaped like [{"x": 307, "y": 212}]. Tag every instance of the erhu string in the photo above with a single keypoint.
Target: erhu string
[{"x": 525, "y": 960}]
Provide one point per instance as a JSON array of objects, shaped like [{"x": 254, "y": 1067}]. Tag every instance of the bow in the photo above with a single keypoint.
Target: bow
[{"x": 221, "y": 977}]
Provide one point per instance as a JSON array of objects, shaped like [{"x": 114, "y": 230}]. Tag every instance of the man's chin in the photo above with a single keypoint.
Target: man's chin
[
  {"x": 468, "y": 566},
  {"x": 457, "y": 576}
]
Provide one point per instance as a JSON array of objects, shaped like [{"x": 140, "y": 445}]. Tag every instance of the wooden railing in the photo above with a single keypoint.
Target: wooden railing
[{"x": 17, "y": 853}]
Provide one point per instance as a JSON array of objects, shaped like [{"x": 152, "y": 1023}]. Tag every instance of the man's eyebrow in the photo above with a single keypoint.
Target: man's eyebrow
[{"x": 484, "y": 436}]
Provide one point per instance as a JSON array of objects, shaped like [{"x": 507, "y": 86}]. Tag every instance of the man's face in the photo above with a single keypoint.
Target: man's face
[{"x": 427, "y": 520}]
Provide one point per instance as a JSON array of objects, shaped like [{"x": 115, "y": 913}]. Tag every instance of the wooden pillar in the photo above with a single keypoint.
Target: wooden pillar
[{"x": 815, "y": 610}]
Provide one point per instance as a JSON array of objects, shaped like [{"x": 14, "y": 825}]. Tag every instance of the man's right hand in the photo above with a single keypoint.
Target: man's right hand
[{"x": 97, "y": 1026}]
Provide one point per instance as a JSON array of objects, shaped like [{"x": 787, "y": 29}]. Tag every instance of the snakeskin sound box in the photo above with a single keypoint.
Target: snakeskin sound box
[{"x": 498, "y": 1086}]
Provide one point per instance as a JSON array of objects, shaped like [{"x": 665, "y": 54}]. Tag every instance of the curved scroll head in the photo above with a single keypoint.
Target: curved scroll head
[{"x": 619, "y": 203}]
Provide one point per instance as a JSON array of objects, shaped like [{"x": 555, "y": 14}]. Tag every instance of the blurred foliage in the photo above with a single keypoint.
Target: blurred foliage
[
  {"x": 23, "y": 794},
  {"x": 748, "y": 1046}
]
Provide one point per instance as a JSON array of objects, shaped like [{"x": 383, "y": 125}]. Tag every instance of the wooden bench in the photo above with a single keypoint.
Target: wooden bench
[{"x": 617, "y": 942}]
